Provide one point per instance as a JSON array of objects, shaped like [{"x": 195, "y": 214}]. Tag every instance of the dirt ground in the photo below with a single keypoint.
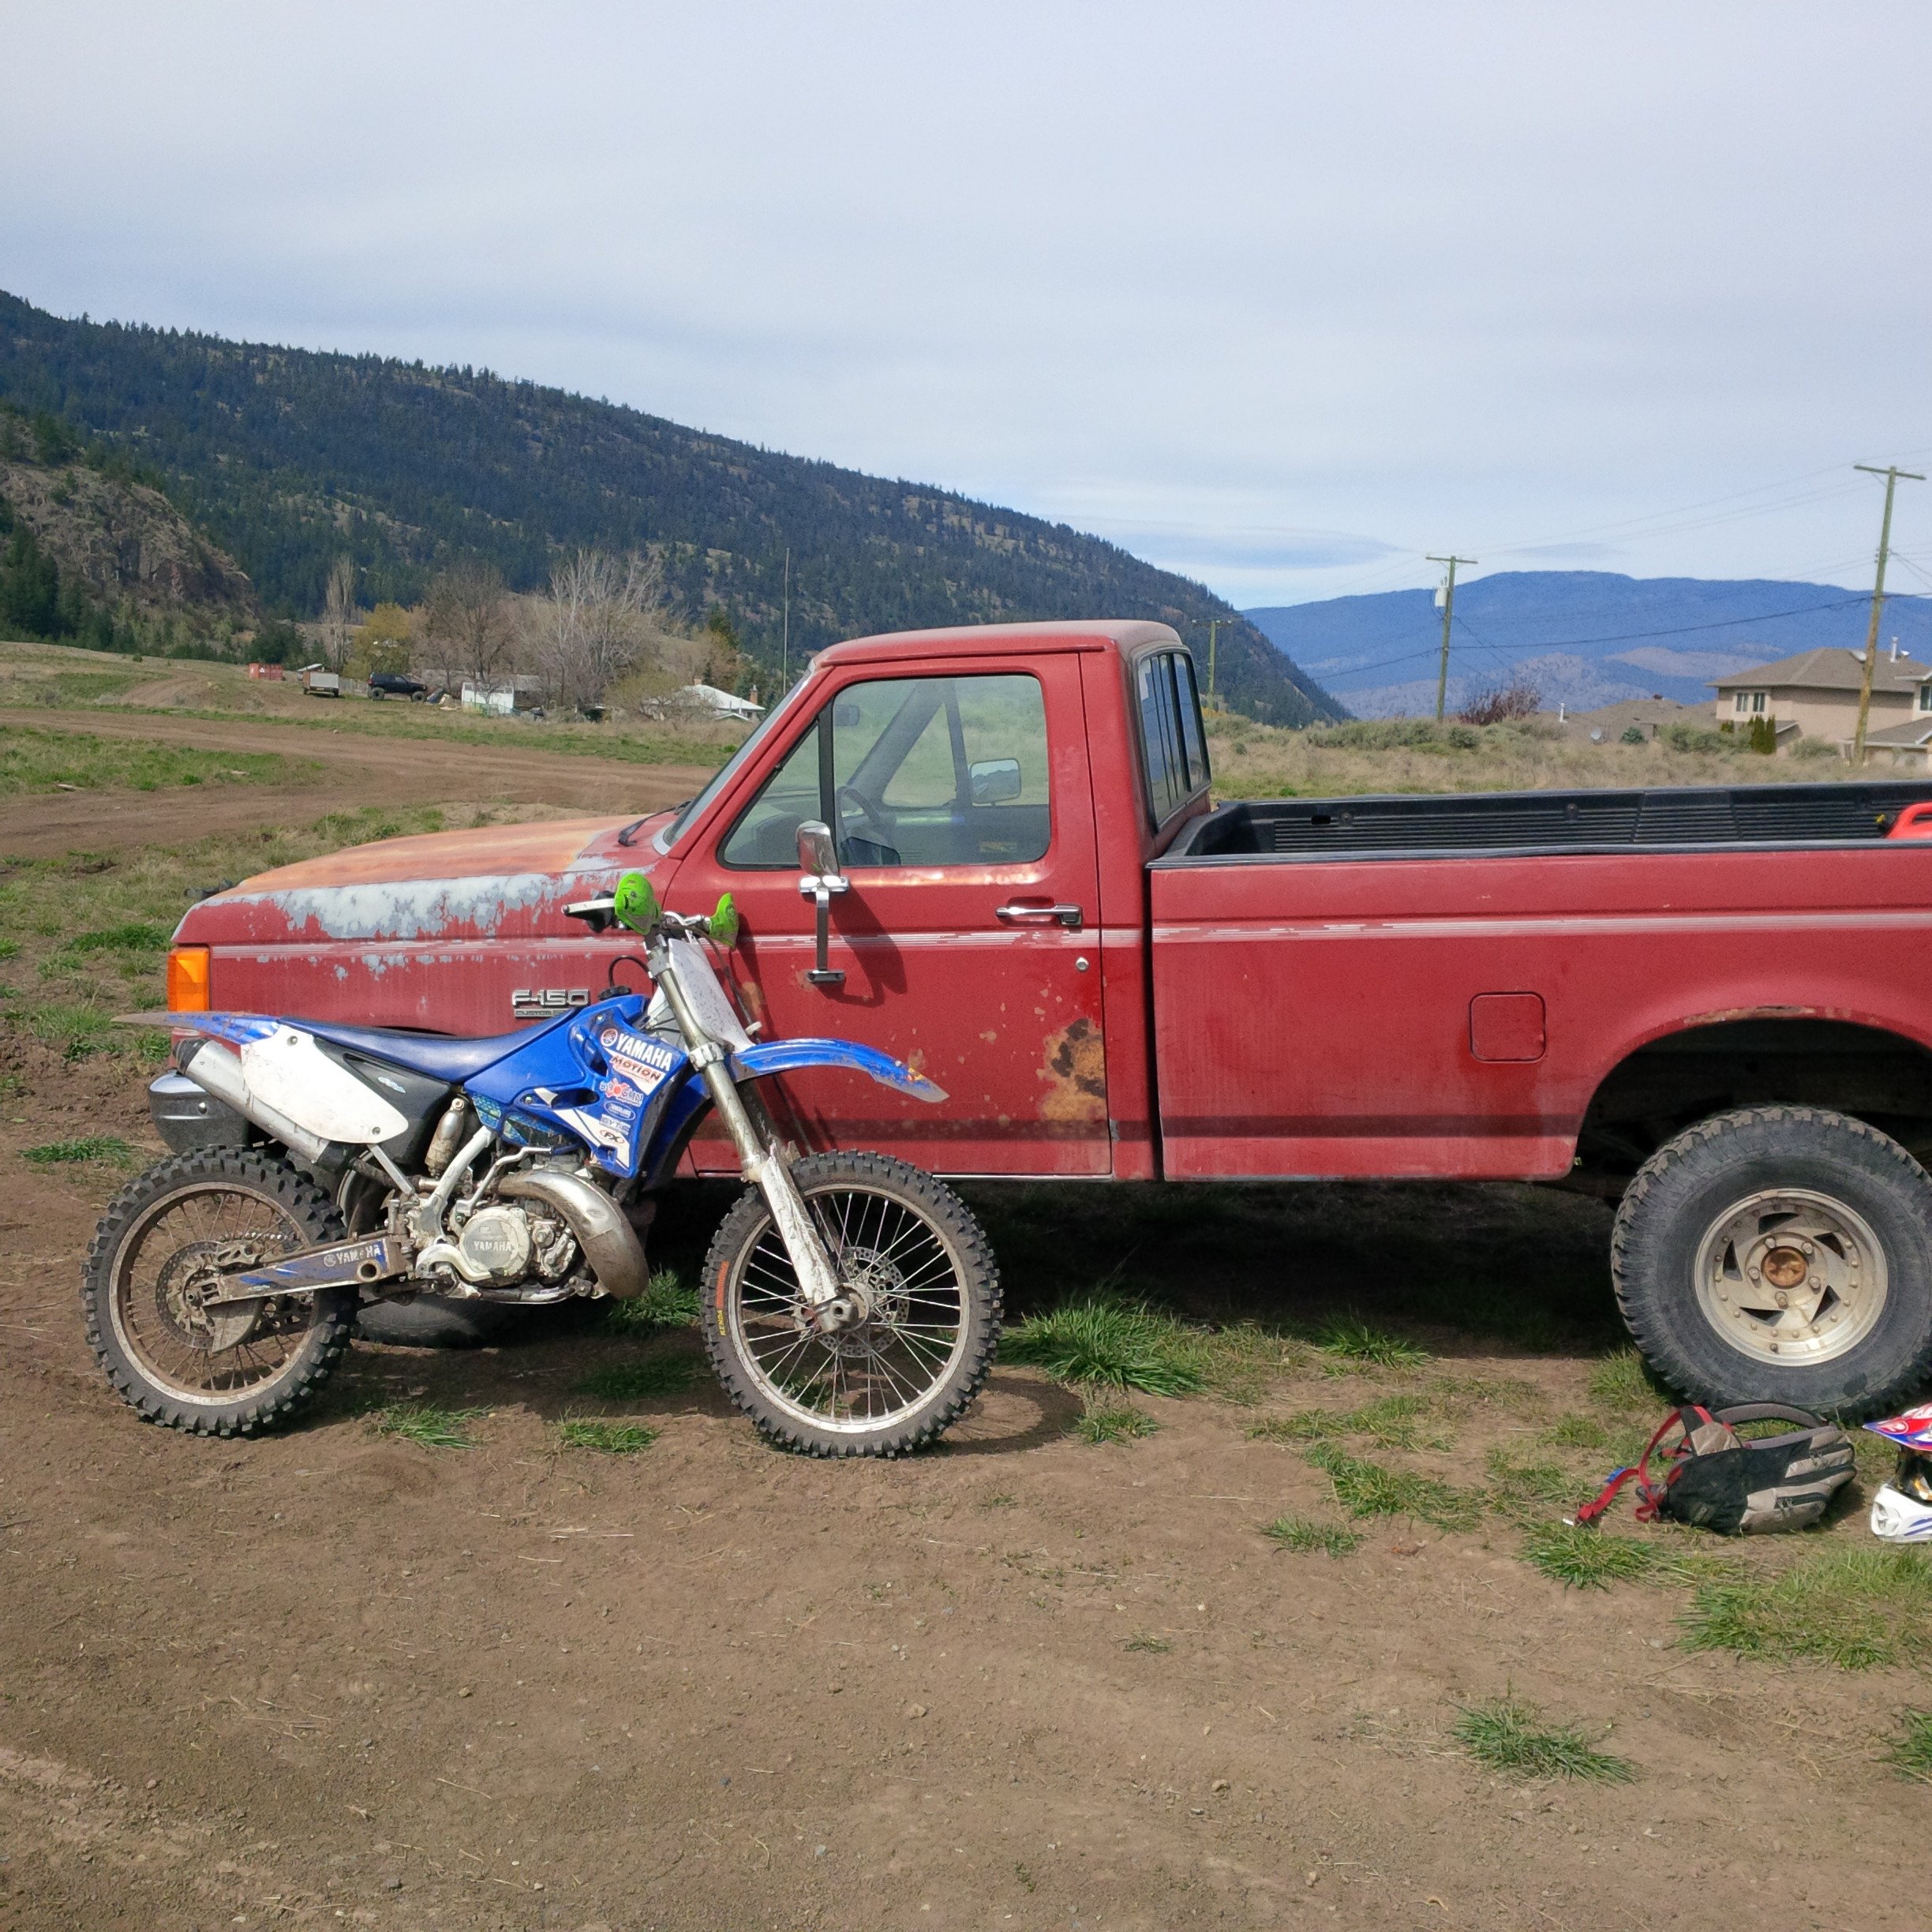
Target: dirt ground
[{"x": 1025, "y": 1682}]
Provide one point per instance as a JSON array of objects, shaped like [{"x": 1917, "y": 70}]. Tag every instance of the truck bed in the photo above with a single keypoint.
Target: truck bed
[{"x": 1505, "y": 822}]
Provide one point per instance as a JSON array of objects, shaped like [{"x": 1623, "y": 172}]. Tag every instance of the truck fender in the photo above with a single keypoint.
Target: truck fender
[{"x": 787, "y": 1056}]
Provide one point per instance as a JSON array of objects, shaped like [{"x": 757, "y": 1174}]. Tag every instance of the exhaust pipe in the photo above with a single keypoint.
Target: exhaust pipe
[
  {"x": 609, "y": 1242},
  {"x": 217, "y": 1071}
]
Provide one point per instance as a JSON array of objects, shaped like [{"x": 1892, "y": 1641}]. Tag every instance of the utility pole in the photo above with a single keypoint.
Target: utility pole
[
  {"x": 785, "y": 637},
  {"x": 1891, "y": 473},
  {"x": 1214, "y": 624},
  {"x": 1441, "y": 674}
]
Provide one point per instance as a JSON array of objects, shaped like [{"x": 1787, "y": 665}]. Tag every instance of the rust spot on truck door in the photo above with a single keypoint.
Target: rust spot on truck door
[{"x": 1075, "y": 1073}]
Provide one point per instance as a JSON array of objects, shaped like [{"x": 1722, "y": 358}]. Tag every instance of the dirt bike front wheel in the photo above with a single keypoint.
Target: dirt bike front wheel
[
  {"x": 176, "y": 1355},
  {"x": 916, "y": 1268}
]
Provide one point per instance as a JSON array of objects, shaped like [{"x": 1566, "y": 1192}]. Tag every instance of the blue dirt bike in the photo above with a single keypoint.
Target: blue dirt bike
[{"x": 850, "y": 1304}]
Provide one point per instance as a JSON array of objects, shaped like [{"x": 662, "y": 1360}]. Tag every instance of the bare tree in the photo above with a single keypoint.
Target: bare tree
[
  {"x": 595, "y": 621},
  {"x": 468, "y": 625},
  {"x": 1517, "y": 699},
  {"x": 338, "y": 611}
]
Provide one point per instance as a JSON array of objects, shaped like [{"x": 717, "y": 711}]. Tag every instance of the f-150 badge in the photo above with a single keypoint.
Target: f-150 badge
[{"x": 547, "y": 1002}]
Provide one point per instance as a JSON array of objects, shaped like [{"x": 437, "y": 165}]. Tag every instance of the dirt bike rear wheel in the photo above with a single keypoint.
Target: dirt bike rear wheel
[
  {"x": 178, "y": 1361},
  {"x": 913, "y": 1256}
]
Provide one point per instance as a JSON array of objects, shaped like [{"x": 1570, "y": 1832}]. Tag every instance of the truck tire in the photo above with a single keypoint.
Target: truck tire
[
  {"x": 432, "y": 1321},
  {"x": 1780, "y": 1254},
  {"x": 164, "y": 1239},
  {"x": 897, "y": 1378}
]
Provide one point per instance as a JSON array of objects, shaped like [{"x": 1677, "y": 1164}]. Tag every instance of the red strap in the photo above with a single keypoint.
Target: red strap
[
  {"x": 1650, "y": 1494},
  {"x": 1605, "y": 1496}
]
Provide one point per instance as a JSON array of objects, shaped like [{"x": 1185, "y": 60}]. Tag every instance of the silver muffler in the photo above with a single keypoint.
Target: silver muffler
[
  {"x": 609, "y": 1242},
  {"x": 215, "y": 1070}
]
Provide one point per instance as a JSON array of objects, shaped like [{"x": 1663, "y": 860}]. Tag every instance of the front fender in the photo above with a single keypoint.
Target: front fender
[{"x": 787, "y": 1056}]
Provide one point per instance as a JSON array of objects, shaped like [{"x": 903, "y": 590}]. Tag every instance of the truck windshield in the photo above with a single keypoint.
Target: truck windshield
[{"x": 694, "y": 809}]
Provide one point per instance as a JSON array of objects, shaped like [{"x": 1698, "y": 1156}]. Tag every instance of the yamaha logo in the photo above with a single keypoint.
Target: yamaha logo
[{"x": 547, "y": 1002}]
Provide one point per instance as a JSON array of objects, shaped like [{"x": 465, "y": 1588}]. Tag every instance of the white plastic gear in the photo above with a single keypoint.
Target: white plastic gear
[{"x": 1899, "y": 1518}]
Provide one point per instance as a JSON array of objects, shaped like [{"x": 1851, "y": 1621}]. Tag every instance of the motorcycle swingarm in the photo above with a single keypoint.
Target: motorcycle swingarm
[{"x": 342, "y": 1264}]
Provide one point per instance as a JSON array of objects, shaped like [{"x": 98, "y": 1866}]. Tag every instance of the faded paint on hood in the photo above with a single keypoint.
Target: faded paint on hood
[{"x": 493, "y": 882}]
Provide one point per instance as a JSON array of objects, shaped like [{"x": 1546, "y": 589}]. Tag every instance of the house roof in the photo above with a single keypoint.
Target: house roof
[
  {"x": 1828, "y": 668},
  {"x": 1914, "y": 732}
]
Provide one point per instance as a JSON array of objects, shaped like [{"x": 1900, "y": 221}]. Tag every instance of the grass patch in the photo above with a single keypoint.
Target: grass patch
[
  {"x": 1856, "y": 1608},
  {"x": 1103, "y": 1342},
  {"x": 1911, "y": 1751},
  {"x": 1145, "y": 1640},
  {"x": 1527, "y": 1488},
  {"x": 1304, "y": 1536},
  {"x": 93, "y": 1148},
  {"x": 1113, "y": 1423},
  {"x": 1365, "y": 1488},
  {"x": 656, "y": 1375},
  {"x": 667, "y": 1303},
  {"x": 1582, "y": 1558},
  {"x": 1624, "y": 1382},
  {"x": 1506, "y": 1735},
  {"x": 429, "y": 1428},
  {"x": 33, "y": 760},
  {"x": 131, "y": 936},
  {"x": 1575, "y": 1431},
  {"x": 608, "y": 1438},
  {"x": 1390, "y": 1421},
  {"x": 1358, "y": 1344}
]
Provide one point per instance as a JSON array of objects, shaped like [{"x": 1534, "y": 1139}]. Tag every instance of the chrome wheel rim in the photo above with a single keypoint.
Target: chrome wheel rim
[
  {"x": 1791, "y": 1276},
  {"x": 904, "y": 1275},
  {"x": 162, "y": 1273}
]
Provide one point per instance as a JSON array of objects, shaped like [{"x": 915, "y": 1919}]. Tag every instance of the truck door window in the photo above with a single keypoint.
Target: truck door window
[
  {"x": 910, "y": 772},
  {"x": 1171, "y": 744}
]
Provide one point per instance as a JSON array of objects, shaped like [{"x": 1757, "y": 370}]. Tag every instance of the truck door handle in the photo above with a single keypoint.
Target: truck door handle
[{"x": 1072, "y": 917}]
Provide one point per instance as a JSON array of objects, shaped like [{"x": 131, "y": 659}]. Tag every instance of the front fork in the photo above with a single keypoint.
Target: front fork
[{"x": 762, "y": 1164}]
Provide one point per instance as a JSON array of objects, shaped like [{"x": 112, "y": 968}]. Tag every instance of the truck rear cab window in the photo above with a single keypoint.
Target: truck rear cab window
[
  {"x": 1173, "y": 745},
  {"x": 934, "y": 771}
]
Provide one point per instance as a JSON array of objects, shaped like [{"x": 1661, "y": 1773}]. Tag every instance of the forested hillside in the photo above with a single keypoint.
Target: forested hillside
[{"x": 287, "y": 458}]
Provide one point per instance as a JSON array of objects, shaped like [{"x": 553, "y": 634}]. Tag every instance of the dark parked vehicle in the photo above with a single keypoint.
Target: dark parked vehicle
[{"x": 397, "y": 684}]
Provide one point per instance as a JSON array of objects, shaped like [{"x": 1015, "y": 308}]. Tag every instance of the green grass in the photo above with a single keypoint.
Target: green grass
[
  {"x": 1347, "y": 1340},
  {"x": 1911, "y": 1751},
  {"x": 608, "y": 1438},
  {"x": 428, "y": 1427},
  {"x": 33, "y": 760},
  {"x": 1856, "y": 1607},
  {"x": 1507, "y": 1735},
  {"x": 1114, "y": 1422},
  {"x": 656, "y": 1375},
  {"x": 1582, "y": 1558},
  {"x": 93, "y": 1148},
  {"x": 1624, "y": 1382},
  {"x": 1390, "y": 1421},
  {"x": 1102, "y": 1342},
  {"x": 1304, "y": 1536},
  {"x": 667, "y": 1303},
  {"x": 1519, "y": 1489},
  {"x": 1573, "y": 1431},
  {"x": 130, "y": 936},
  {"x": 1145, "y": 1640},
  {"x": 1365, "y": 1488}
]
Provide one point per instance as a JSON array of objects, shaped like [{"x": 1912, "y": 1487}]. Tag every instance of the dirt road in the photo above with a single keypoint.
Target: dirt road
[
  {"x": 356, "y": 767},
  {"x": 1026, "y": 1684}
]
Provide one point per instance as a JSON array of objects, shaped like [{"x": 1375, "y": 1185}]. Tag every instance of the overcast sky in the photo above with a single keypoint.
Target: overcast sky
[{"x": 1281, "y": 296}]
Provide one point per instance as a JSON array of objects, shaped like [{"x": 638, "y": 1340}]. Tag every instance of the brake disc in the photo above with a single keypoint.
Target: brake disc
[{"x": 189, "y": 1280}]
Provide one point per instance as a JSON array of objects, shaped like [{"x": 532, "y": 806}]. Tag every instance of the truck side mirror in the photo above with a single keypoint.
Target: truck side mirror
[
  {"x": 817, "y": 856},
  {"x": 994, "y": 781}
]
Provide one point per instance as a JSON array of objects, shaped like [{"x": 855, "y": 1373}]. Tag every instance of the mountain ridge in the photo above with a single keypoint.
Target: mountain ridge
[
  {"x": 288, "y": 457},
  {"x": 1582, "y": 638}
]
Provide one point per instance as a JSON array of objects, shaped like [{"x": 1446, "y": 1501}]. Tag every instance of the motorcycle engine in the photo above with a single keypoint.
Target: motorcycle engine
[{"x": 497, "y": 1242}]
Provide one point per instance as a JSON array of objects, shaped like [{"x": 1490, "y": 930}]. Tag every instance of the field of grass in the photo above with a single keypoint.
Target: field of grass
[{"x": 35, "y": 760}]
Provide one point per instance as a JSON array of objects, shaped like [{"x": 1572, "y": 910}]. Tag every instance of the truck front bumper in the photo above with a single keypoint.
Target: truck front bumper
[{"x": 189, "y": 1120}]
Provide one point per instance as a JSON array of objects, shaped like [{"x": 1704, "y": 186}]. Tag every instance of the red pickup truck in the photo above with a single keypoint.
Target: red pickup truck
[{"x": 1713, "y": 1004}]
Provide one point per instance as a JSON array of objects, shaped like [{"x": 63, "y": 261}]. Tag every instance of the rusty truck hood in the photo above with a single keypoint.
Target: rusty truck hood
[{"x": 494, "y": 882}]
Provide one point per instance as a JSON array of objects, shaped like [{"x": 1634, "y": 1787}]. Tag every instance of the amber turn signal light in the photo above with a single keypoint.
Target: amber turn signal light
[{"x": 187, "y": 979}]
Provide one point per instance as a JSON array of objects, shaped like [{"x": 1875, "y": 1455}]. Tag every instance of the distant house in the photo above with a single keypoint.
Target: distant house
[
  {"x": 519, "y": 694},
  {"x": 703, "y": 700},
  {"x": 1815, "y": 694}
]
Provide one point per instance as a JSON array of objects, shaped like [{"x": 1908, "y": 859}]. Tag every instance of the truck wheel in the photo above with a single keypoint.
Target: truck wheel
[
  {"x": 1780, "y": 1254},
  {"x": 213, "y": 1369},
  {"x": 917, "y": 1264}
]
